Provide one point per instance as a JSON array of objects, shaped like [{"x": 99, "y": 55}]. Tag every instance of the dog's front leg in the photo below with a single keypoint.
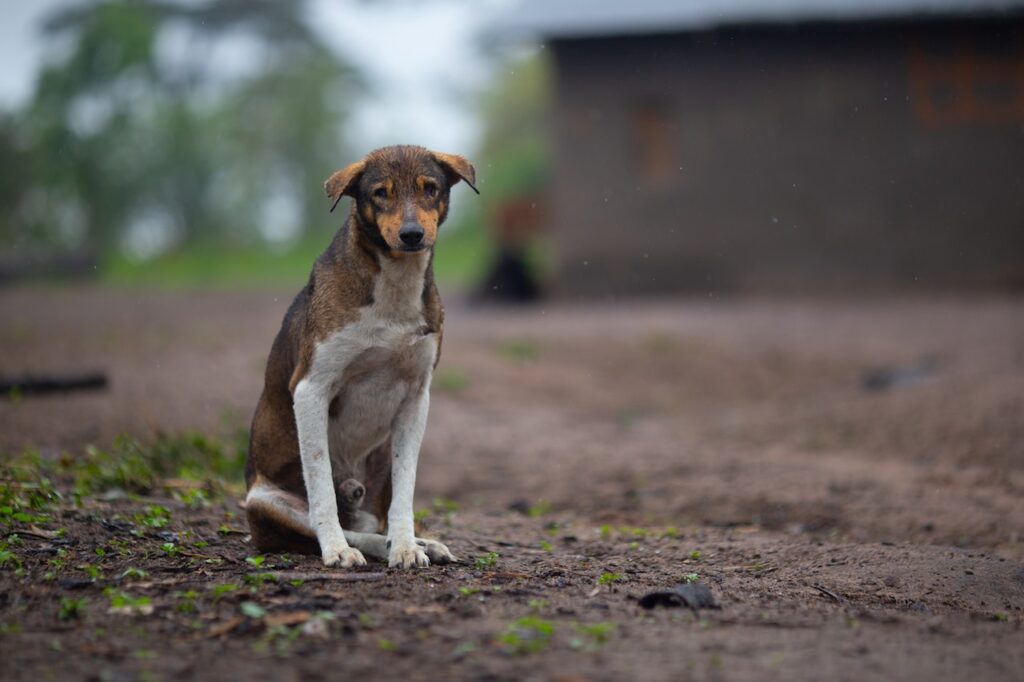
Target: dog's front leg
[
  {"x": 410, "y": 423},
  {"x": 311, "y": 401}
]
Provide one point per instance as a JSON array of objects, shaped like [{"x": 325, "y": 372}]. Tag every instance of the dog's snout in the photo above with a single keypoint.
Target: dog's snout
[{"x": 411, "y": 234}]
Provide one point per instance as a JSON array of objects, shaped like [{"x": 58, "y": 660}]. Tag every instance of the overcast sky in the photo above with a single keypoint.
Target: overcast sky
[{"x": 420, "y": 59}]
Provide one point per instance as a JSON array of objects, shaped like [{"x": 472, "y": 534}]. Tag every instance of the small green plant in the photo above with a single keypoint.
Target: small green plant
[
  {"x": 170, "y": 549},
  {"x": 93, "y": 572},
  {"x": 691, "y": 578},
  {"x": 518, "y": 350},
  {"x": 154, "y": 516},
  {"x": 635, "y": 531},
  {"x": 670, "y": 532},
  {"x": 71, "y": 609},
  {"x": 443, "y": 505},
  {"x": 386, "y": 644},
  {"x": 124, "y": 602},
  {"x": 468, "y": 591},
  {"x": 539, "y": 509},
  {"x": 527, "y": 635},
  {"x": 695, "y": 555},
  {"x": 252, "y": 610},
  {"x": 132, "y": 573},
  {"x": 9, "y": 559},
  {"x": 256, "y": 580},
  {"x": 186, "y": 601},
  {"x": 605, "y": 531},
  {"x": 593, "y": 637},
  {"x": 537, "y": 604},
  {"x": 420, "y": 515},
  {"x": 451, "y": 380},
  {"x": 546, "y": 546},
  {"x": 486, "y": 561},
  {"x": 193, "y": 498},
  {"x": 219, "y": 591},
  {"x": 256, "y": 561},
  {"x": 609, "y": 578}
]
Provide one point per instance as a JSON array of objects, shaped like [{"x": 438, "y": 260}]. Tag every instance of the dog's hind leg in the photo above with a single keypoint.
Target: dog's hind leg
[{"x": 279, "y": 520}]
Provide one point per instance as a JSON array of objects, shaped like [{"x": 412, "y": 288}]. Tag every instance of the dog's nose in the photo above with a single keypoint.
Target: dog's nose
[{"x": 411, "y": 235}]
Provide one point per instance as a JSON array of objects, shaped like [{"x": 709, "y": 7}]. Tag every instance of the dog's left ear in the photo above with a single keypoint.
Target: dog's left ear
[
  {"x": 457, "y": 168},
  {"x": 344, "y": 182}
]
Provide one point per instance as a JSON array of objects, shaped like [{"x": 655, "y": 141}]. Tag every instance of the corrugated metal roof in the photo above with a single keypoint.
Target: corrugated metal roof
[{"x": 580, "y": 18}]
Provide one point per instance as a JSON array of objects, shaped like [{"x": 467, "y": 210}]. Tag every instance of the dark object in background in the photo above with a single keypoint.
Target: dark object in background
[
  {"x": 886, "y": 378},
  {"x": 509, "y": 280},
  {"x": 691, "y": 595},
  {"x": 27, "y": 264},
  {"x": 516, "y": 223},
  {"x": 40, "y": 384}
]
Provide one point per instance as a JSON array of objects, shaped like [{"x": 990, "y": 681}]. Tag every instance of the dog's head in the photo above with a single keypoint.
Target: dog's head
[{"x": 401, "y": 194}]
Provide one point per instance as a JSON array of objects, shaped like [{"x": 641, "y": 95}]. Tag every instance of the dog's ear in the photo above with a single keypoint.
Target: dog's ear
[
  {"x": 457, "y": 168},
  {"x": 344, "y": 182}
]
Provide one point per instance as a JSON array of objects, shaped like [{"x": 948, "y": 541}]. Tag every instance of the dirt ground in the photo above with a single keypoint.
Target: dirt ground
[{"x": 846, "y": 476}]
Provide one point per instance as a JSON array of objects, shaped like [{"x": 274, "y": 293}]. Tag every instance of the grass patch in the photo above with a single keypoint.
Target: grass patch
[
  {"x": 519, "y": 350},
  {"x": 486, "y": 561},
  {"x": 527, "y": 635}
]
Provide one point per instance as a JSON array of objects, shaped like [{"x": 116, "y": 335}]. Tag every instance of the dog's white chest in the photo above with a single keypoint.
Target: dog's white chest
[
  {"x": 373, "y": 366},
  {"x": 393, "y": 366}
]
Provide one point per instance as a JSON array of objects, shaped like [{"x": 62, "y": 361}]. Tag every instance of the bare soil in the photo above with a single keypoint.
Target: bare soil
[{"x": 576, "y": 458}]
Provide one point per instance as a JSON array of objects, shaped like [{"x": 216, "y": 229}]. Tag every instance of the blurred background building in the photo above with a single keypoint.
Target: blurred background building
[{"x": 798, "y": 145}]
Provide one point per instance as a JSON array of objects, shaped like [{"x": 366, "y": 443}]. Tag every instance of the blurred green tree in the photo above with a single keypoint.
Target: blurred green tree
[{"x": 161, "y": 124}]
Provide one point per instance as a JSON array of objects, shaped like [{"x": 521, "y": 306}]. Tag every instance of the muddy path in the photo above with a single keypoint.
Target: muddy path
[{"x": 846, "y": 477}]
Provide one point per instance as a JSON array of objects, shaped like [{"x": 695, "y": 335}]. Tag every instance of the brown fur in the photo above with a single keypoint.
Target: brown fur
[{"x": 342, "y": 281}]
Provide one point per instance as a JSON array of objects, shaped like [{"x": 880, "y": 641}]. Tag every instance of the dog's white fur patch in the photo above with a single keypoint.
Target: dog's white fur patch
[{"x": 379, "y": 367}]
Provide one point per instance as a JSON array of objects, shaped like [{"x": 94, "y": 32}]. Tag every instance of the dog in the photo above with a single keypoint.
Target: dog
[{"x": 336, "y": 434}]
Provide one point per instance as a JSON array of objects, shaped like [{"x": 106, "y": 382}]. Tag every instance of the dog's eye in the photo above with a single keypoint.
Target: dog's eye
[
  {"x": 429, "y": 190},
  {"x": 380, "y": 193}
]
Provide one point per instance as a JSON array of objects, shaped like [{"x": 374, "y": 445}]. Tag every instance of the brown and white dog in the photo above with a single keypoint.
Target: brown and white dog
[{"x": 347, "y": 386}]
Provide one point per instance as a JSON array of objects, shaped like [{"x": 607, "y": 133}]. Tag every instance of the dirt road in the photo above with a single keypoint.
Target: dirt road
[{"x": 846, "y": 476}]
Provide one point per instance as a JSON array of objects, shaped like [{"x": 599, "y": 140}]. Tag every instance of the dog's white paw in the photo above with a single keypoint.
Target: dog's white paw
[
  {"x": 344, "y": 557},
  {"x": 407, "y": 554},
  {"x": 437, "y": 552}
]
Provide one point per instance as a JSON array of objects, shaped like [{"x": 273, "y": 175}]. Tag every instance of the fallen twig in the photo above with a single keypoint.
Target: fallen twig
[{"x": 828, "y": 593}]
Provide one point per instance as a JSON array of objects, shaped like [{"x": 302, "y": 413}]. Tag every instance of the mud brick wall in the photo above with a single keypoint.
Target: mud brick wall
[{"x": 822, "y": 157}]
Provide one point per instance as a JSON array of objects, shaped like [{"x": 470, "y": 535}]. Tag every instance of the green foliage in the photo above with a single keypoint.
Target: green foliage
[
  {"x": 219, "y": 591},
  {"x": 519, "y": 350},
  {"x": 593, "y": 636},
  {"x": 486, "y": 561},
  {"x": 135, "y": 467},
  {"x": 71, "y": 609},
  {"x": 451, "y": 380},
  {"x": 252, "y": 610},
  {"x": 527, "y": 635},
  {"x": 124, "y": 149},
  {"x": 609, "y": 578},
  {"x": 121, "y": 600},
  {"x": 691, "y": 577},
  {"x": 26, "y": 493},
  {"x": 132, "y": 573}
]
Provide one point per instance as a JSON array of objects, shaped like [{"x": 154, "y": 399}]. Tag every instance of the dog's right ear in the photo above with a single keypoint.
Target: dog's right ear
[{"x": 344, "y": 182}]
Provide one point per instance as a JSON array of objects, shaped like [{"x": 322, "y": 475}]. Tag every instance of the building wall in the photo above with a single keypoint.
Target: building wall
[{"x": 824, "y": 157}]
